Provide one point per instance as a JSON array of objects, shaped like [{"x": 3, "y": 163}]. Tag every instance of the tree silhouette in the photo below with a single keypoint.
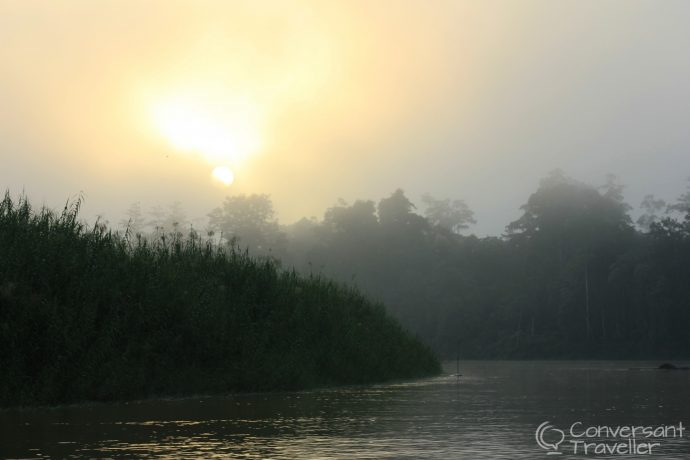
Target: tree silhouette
[
  {"x": 455, "y": 216},
  {"x": 249, "y": 222}
]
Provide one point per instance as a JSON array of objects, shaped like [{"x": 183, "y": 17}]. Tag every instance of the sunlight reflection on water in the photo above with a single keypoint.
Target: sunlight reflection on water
[{"x": 491, "y": 412}]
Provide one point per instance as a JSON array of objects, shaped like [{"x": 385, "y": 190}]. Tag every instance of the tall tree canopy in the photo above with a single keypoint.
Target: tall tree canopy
[
  {"x": 454, "y": 216},
  {"x": 249, "y": 222}
]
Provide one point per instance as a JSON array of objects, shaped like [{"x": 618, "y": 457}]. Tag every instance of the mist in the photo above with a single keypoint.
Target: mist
[
  {"x": 475, "y": 101},
  {"x": 344, "y": 229}
]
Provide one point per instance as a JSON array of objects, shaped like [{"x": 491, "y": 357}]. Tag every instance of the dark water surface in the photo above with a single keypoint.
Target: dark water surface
[{"x": 491, "y": 412}]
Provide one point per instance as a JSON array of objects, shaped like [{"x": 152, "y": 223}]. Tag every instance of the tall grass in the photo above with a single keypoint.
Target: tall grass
[{"x": 89, "y": 314}]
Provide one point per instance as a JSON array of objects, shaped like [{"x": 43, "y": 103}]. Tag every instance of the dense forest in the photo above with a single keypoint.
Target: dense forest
[
  {"x": 573, "y": 277},
  {"x": 90, "y": 314}
]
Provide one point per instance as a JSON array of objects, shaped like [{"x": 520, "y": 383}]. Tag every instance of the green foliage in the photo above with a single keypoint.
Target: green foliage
[
  {"x": 572, "y": 277},
  {"x": 454, "y": 216},
  {"x": 248, "y": 221},
  {"x": 87, "y": 314}
]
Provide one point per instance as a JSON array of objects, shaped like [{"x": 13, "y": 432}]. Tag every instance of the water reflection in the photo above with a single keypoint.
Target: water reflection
[{"x": 491, "y": 412}]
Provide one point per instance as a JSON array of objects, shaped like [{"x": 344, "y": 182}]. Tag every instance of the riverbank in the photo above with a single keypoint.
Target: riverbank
[{"x": 88, "y": 314}]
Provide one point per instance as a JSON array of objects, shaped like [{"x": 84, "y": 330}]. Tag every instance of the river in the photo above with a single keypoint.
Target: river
[{"x": 491, "y": 411}]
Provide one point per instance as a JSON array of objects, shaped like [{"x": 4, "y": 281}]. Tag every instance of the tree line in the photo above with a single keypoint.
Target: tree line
[
  {"x": 91, "y": 314},
  {"x": 573, "y": 276}
]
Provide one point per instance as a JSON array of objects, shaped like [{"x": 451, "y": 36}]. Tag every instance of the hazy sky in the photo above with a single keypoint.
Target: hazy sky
[{"x": 312, "y": 101}]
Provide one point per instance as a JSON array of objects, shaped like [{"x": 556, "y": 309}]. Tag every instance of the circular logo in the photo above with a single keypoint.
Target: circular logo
[{"x": 549, "y": 437}]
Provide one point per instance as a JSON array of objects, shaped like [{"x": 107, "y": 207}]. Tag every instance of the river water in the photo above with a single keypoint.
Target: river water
[{"x": 491, "y": 411}]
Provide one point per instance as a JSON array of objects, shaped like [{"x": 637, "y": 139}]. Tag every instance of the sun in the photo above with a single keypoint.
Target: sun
[
  {"x": 224, "y": 175},
  {"x": 222, "y": 130}
]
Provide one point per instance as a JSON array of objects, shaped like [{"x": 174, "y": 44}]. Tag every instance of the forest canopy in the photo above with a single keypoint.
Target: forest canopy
[{"x": 573, "y": 276}]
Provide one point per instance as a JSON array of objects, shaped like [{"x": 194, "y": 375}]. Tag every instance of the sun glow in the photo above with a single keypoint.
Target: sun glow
[
  {"x": 227, "y": 94},
  {"x": 224, "y": 175},
  {"x": 221, "y": 130}
]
